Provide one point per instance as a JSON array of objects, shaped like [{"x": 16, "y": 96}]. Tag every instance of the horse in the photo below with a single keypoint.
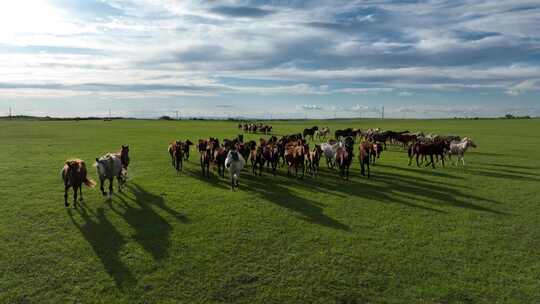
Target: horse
[
  {"x": 178, "y": 151},
  {"x": 257, "y": 159},
  {"x": 310, "y": 132},
  {"x": 345, "y": 133},
  {"x": 367, "y": 150},
  {"x": 459, "y": 148},
  {"x": 108, "y": 167},
  {"x": 313, "y": 159},
  {"x": 321, "y": 134},
  {"x": 220, "y": 154},
  {"x": 329, "y": 151},
  {"x": 186, "y": 146},
  {"x": 172, "y": 150},
  {"x": 295, "y": 156},
  {"x": 271, "y": 157},
  {"x": 378, "y": 151},
  {"x": 428, "y": 149},
  {"x": 74, "y": 174},
  {"x": 204, "y": 157},
  {"x": 235, "y": 162},
  {"x": 124, "y": 156},
  {"x": 344, "y": 156},
  {"x": 405, "y": 139}
]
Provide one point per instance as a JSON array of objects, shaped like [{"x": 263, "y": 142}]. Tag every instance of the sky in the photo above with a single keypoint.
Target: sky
[{"x": 270, "y": 58}]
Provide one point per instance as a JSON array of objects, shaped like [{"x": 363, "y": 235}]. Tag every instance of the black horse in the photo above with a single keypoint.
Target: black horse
[{"x": 310, "y": 132}]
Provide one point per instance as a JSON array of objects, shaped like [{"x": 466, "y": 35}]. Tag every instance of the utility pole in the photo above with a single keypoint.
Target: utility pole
[
  {"x": 177, "y": 117},
  {"x": 9, "y": 113},
  {"x": 382, "y": 113}
]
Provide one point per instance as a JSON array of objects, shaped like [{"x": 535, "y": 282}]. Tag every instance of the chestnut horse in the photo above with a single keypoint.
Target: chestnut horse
[
  {"x": 367, "y": 151},
  {"x": 74, "y": 174},
  {"x": 205, "y": 155}
]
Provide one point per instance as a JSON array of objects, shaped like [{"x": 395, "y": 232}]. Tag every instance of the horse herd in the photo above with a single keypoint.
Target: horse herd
[
  {"x": 292, "y": 151},
  {"x": 255, "y": 127}
]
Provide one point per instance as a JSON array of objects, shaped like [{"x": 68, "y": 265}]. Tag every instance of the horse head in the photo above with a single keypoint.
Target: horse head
[{"x": 469, "y": 142}]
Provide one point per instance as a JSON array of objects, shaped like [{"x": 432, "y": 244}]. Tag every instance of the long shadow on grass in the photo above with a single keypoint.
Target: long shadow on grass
[
  {"x": 396, "y": 188},
  {"x": 512, "y": 166},
  {"x": 276, "y": 193},
  {"x": 414, "y": 169},
  {"x": 503, "y": 174},
  {"x": 152, "y": 231},
  {"x": 106, "y": 242}
]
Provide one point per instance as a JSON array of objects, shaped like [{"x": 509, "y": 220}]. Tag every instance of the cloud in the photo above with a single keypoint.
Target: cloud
[
  {"x": 310, "y": 107},
  {"x": 276, "y": 51},
  {"x": 524, "y": 86},
  {"x": 364, "y": 90},
  {"x": 241, "y": 11}
]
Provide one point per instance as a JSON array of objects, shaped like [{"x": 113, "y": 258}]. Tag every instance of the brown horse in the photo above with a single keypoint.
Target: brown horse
[
  {"x": 313, "y": 160},
  {"x": 271, "y": 157},
  {"x": 257, "y": 159},
  {"x": 176, "y": 150},
  {"x": 295, "y": 157},
  {"x": 428, "y": 149},
  {"x": 205, "y": 151},
  {"x": 124, "y": 156},
  {"x": 220, "y": 155},
  {"x": 74, "y": 174},
  {"x": 368, "y": 151}
]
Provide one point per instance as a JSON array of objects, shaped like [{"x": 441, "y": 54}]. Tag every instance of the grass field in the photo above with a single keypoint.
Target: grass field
[{"x": 408, "y": 235}]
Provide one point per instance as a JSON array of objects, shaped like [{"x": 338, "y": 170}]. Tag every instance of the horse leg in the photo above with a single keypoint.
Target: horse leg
[
  {"x": 80, "y": 192},
  {"x": 442, "y": 160},
  {"x": 120, "y": 180},
  {"x": 110, "y": 187},
  {"x": 66, "y": 188},
  {"x": 75, "y": 189},
  {"x": 432, "y": 162},
  {"x": 368, "y": 172},
  {"x": 101, "y": 182},
  {"x": 417, "y": 156}
]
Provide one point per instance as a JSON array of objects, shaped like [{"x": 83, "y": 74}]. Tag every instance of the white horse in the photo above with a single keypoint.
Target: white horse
[
  {"x": 459, "y": 148},
  {"x": 235, "y": 163},
  {"x": 108, "y": 167},
  {"x": 329, "y": 151}
]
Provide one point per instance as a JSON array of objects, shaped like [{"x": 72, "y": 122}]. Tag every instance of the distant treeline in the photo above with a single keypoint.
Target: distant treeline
[
  {"x": 165, "y": 117},
  {"x": 26, "y": 117},
  {"x": 507, "y": 116}
]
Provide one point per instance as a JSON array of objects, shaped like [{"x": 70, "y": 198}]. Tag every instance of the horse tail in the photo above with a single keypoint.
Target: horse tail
[{"x": 89, "y": 182}]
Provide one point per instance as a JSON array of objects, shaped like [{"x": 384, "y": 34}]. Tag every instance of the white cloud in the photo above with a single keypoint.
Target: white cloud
[{"x": 524, "y": 86}]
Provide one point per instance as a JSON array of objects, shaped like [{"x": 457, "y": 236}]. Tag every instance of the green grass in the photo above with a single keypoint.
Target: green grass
[{"x": 408, "y": 235}]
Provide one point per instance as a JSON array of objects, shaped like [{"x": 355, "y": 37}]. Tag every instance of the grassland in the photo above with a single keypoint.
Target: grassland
[{"x": 408, "y": 235}]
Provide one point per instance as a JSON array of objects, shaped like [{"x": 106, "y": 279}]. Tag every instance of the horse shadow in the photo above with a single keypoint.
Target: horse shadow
[
  {"x": 152, "y": 231},
  {"x": 106, "y": 242},
  {"x": 397, "y": 188},
  {"x": 305, "y": 209},
  {"x": 415, "y": 169},
  {"x": 213, "y": 180}
]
